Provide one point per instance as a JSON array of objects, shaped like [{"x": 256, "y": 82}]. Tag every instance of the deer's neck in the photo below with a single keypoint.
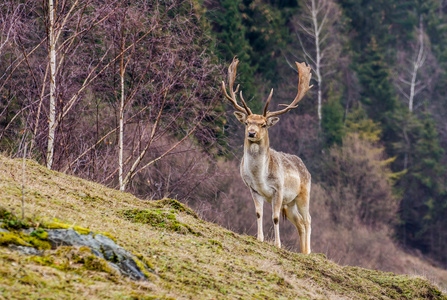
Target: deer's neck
[{"x": 256, "y": 156}]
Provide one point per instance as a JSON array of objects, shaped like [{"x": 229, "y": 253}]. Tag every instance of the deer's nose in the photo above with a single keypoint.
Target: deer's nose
[{"x": 251, "y": 134}]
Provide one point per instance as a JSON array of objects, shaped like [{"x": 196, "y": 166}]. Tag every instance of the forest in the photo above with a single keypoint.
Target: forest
[{"x": 128, "y": 94}]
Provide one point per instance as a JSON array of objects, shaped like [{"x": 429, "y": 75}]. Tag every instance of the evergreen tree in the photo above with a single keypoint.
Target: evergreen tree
[
  {"x": 232, "y": 41},
  {"x": 424, "y": 194},
  {"x": 377, "y": 90},
  {"x": 332, "y": 122},
  {"x": 358, "y": 122}
]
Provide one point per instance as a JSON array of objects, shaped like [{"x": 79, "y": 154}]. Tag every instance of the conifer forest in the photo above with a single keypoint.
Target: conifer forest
[{"x": 128, "y": 94}]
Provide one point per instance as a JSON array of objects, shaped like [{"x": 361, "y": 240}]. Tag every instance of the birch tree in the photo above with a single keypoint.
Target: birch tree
[
  {"x": 70, "y": 20},
  {"x": 317, "y": 38},
  {"x": 408, "y": 83},
  {"x": 162, "y": 83},
  {"x": 52, "y": 59}
]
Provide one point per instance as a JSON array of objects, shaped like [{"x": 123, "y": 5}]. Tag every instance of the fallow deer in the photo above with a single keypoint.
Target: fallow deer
[{"x": 280, "y": 179}]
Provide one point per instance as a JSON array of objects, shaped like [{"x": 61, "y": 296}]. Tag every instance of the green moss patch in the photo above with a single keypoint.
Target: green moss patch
[
  {"x": 37, "y": 239},
  {"x": 73, "y": 259},
  {"x": 172, "y": 203},
  {"x": 107, "y": 235},
  {"x": 7, "y": 238},
  {"x": 159, "y": 218},
  {"x": 59, "y": 225},
  {"x": 11, "y": 222}
]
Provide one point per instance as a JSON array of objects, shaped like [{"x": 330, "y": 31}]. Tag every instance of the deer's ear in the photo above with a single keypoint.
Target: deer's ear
[
  {"x": 240, "y": 116},
  {"x": 272, "y": 121}
]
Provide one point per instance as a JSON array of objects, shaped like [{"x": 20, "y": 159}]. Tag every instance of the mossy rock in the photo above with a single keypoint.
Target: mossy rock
[
  {"x": 40, "y": 234},
  {"x": 38, "y": 241},
  {"x": 67, "y": 258}
]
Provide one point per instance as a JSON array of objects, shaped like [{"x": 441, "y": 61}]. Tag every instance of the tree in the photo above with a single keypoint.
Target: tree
[
  {"x": 317, "y": 23},
  {"x": 408, "y": 76},
  {"x": 358, "y": 180},
  {"x": 69, "y": 20},
  {"x": 231, "y": 33},
  {"x": 332, "y": 123},
  {"x": 424, "y": 192},
  {"x": 164, "y": 91}
]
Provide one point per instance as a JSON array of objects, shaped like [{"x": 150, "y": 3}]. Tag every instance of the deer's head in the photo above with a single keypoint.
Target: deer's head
[{"x": 256, "y": 126}]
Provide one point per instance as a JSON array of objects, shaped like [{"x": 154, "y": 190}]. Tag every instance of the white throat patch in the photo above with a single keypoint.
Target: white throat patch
[{"x": 254, "y": 148}]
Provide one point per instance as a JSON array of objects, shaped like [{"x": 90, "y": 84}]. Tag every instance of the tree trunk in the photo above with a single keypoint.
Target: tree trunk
[
  {"x": 317, "y": 30},
  {"x": 121, "y": 130},
  {"x": 416, "y": 65},
  {"x": 52, "y": 117}
]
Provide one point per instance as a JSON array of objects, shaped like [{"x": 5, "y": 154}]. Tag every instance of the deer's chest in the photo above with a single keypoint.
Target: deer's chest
[{"x": 256, "y": 177}]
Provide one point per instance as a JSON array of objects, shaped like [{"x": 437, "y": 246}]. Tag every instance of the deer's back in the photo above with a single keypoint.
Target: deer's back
[
  {"x": 295, "y": 176},
  {"x": 290, "y": 164}
]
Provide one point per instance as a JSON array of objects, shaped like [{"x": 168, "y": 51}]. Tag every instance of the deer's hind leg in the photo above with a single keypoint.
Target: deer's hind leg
[{"x": 298, "y": 214}]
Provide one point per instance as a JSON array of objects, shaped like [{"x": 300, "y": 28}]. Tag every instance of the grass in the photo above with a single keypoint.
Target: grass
[{"x": 191, "y": 258}]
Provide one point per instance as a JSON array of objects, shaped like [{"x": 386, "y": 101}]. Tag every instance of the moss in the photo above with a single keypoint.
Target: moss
[
  {"x": 37, "y": 242},
  {"x": 4, "y": 213},
  {"x": 81, "y": 230},
  {"x": 65, "y": 259},
  {"x": 167, "y": 202},
  {"x": 32, "y": 279},
  {"x": 142, "y": 267},
  {"x": 42, "y": 260},
  {"x": 12, "y": 238},
  {"x": 158, "y": 218},
  {"x": 56, "y": 225},
  {"x": 11, "y": 222},
  {"x": 85, "y": 249},
  {"x": 37, "y": 239},
  {"x": 94, "y": 263},
  {"x": 59, "y": 225},
  {"x": 107, "y": 235},
  {"x": 216, "y": 243},
  {"x": 40, "y": 234}
]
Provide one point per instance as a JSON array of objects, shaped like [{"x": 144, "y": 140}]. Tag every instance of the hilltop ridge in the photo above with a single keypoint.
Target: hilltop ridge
[{"x": 189, "y": 258}]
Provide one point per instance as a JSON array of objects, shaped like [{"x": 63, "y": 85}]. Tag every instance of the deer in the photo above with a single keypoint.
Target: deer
[{"x": 278, "y": 178}]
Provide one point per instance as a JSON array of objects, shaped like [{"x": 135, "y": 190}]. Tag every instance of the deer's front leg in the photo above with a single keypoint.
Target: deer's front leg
[
  {"x": 276, "y": 207},
  {"x": 259, "y": 205}
]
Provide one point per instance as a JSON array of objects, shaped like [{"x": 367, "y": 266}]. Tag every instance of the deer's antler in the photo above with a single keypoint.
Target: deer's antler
[
  {"x": 303, "y": 86},
  {"x": 231, "y": 78}
]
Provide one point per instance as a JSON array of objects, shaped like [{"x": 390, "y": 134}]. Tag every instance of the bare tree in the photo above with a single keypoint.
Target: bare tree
[
  {"x": 163, "y": 89},
  {"x": 52, "y": 58},
  {"x": 67, "y": 65},
  {"x": 316, "y": 25},
  {"x": 408, "y": 84},
  {"x": 9, "y": 17},
  {"x": 70, "y": 20}
]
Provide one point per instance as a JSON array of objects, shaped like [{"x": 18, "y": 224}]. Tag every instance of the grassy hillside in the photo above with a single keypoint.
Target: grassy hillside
[{"x": 191, "y": 258}]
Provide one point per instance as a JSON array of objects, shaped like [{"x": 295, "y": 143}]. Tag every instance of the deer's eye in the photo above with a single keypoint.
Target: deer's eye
[
  {"x": 264, "y": 125},
  {"x": 246, "y": 123}
]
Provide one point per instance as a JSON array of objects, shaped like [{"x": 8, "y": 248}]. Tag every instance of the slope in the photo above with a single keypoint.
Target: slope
[{"x": 190, "y": 258}]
